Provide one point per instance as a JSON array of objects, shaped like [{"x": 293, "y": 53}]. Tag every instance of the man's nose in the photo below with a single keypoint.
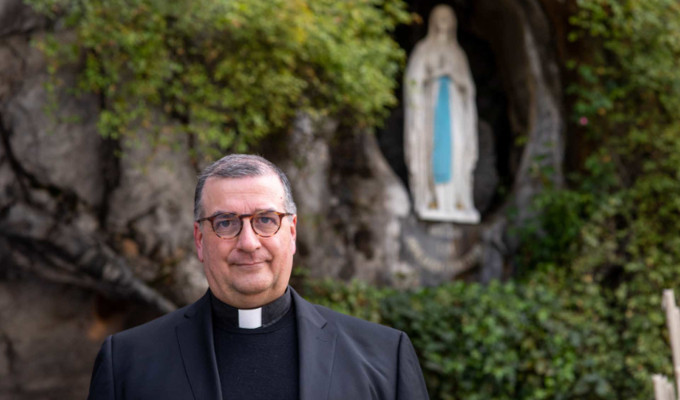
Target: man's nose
[{"x": 247, "y": 239}]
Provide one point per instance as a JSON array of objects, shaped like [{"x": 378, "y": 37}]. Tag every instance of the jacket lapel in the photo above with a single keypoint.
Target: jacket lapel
[
  {"x": 195, "y": 338},
  {"x": 316, "y": 344}
]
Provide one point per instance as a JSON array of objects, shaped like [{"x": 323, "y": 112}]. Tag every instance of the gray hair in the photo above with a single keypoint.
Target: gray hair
[{"x": 242, "y": 166}]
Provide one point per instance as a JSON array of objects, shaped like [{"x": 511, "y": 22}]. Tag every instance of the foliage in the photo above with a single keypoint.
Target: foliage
[
  {"x": 358, "y": 298},
  {"x": 502, "y": 341},
  {"x": 229, "y": 72},
  {"x": 616, "y": 230}
]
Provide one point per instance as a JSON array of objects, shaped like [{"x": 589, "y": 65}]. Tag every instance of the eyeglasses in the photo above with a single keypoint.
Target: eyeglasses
[{"x": 229, "y": 225}]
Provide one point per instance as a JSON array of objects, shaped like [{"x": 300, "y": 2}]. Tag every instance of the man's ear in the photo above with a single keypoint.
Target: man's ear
[
  {"x": 293, "y": 232},
  {"x": 198, "y": 240}
]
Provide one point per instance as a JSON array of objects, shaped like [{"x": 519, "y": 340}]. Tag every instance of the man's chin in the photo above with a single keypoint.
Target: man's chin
[{"x": 254, "y": 287}]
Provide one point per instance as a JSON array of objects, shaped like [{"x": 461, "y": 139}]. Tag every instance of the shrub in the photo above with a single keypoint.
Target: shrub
[{"x": 502, "y": 341}]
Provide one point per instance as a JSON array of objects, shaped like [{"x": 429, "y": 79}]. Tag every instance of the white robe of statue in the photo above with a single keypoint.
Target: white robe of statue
[{"x": 439, "y": 60}]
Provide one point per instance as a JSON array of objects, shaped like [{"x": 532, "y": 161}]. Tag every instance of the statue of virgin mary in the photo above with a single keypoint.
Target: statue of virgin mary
[{"x": 440, "y": 136}]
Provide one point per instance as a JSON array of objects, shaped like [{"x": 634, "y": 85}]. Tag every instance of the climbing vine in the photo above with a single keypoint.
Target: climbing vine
[
  {"x": 615, "y": 232},
  {"x": 227, "y": 72}
]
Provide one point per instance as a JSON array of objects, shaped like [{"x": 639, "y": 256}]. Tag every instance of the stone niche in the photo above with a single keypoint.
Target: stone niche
[{"x": 357, "y": 218}]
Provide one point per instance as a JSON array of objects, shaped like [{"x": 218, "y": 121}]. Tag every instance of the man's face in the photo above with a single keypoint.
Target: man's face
[{"x": 247, "y": 271}]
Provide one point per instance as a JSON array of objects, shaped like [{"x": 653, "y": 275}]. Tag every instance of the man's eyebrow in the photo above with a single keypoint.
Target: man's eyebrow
[{"x": 220, "y": 212}]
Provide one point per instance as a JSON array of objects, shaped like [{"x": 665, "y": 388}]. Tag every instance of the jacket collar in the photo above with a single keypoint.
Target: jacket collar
[
  {"x": 195, "y": 338},
  {"x": 316, "y": 344}
]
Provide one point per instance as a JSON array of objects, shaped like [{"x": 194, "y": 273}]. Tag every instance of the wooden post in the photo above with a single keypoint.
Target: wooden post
[
  {"x": 673, "y": 323},
  {"x": 663, "y": 390}
]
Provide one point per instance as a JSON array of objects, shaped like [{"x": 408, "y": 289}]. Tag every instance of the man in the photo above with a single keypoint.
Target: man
[{"x": 252, "y": 336}]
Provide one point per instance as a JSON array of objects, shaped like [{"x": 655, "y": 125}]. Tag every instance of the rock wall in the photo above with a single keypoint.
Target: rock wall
[{"x": 91, "y": 242}]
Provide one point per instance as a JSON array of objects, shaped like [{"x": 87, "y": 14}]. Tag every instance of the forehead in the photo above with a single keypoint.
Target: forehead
[{"x": 242, "y": 195}]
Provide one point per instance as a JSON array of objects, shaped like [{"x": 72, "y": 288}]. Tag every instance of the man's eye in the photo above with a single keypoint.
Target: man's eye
[
  {"x": 266, "y": 219},
  {"x": 224, "y": 223}
]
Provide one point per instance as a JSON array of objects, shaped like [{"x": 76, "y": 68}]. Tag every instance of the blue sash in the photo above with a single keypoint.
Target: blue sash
[{"x": 441, "y": 151}]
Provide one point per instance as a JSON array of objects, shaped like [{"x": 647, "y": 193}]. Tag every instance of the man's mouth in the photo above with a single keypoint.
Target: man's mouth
[{"x": 248, "y": 263}]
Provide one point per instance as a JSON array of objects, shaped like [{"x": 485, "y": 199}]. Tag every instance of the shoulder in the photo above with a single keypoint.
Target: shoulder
[
  {"x": 348, "y": 328},
  {"x": 159, "y": 328},
  {"x": 372, "y": 354},
  {"x": 355, "y": 325},
  {"x": 417, "y": 57}
]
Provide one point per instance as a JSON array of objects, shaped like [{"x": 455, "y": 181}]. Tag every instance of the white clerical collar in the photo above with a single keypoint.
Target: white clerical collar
[
  {"x": 226, "y": 315},
  {"x": 250, "y": 319}
]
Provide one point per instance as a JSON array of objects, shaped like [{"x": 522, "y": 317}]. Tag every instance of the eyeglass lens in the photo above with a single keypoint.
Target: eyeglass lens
[{"x": 265, "y": 223}]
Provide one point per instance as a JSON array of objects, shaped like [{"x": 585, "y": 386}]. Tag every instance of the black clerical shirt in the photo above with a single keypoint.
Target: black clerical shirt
[{"x": 259, "y": 363}]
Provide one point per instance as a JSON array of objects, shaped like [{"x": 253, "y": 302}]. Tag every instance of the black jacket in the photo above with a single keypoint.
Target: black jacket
[{"x": 341, "y": 357}]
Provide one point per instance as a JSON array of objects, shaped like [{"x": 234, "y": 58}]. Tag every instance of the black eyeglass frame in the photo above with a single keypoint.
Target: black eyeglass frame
[{"x": 211, "y": 219}]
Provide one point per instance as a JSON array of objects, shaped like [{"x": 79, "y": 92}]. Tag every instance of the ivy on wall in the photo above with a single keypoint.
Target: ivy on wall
[
  {"x": 228, "y": 72},
  {"x": 615, "y": 232}
]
